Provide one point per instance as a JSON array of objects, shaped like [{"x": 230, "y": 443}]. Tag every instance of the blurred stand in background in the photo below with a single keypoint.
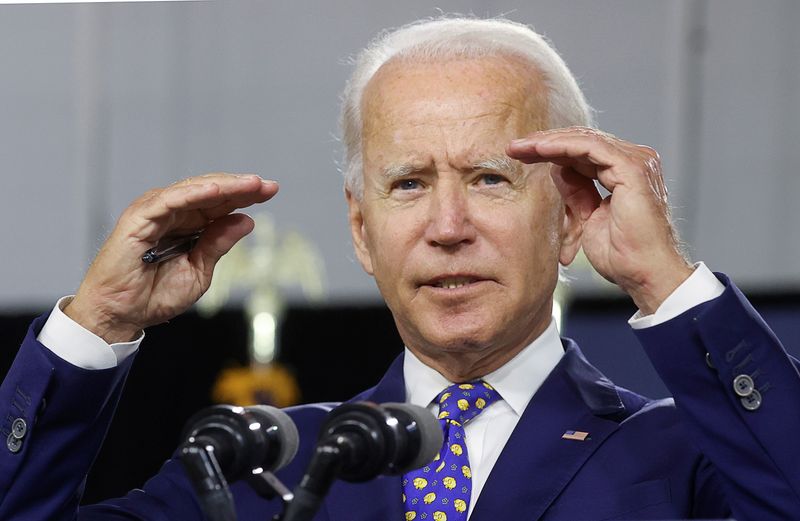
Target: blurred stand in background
[{"x": 260, "y": 269}]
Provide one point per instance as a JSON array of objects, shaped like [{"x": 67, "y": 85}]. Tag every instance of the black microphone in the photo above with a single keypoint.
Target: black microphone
[
  {"x": 231, "y": 442},
  {"x": 360, "y": 441}
]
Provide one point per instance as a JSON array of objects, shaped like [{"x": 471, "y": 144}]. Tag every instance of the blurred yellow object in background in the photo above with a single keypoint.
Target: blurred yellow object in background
[{"x": 270, "y": 384}]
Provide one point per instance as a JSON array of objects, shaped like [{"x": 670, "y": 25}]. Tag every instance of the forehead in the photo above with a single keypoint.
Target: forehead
[{"x": 490, "y": 98}]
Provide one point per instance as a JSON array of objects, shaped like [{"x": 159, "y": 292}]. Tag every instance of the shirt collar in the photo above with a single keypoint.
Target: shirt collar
[{"x": 517, "y": 381}]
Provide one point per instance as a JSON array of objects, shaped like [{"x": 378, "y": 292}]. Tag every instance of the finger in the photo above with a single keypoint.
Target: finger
[
  {"x": 575, "y": 148},
  {"x": 578, "y": 165},
  {"x": 230, "y": 205},
  {"x": 595, "y": 155},
  {"x": 198, "y": 219},
  {"x": 532, "y": 152},
  {"x": 659, "y": 187},
  {"x": 192, "y": 205},
  {"x": 212, "y": 191},
  {"x": 217, "y": 240},
  {"x": 578, "y": 191},
  {"x": 543, "y": 135},
  {"x": 214, "y": 177},
  {"x": 574, "y": 130}
]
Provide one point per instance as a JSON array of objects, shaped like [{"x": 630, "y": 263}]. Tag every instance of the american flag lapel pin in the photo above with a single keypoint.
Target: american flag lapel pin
[{"x": 575, "y": 435}]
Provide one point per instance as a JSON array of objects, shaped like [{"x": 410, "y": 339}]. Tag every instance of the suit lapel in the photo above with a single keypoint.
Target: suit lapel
[
  {"x": 381, "y": 498},
  {"x": 574, "y": 396}
]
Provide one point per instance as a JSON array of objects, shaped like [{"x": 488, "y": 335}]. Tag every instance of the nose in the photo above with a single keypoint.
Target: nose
[{"x": 449, "y": 220}]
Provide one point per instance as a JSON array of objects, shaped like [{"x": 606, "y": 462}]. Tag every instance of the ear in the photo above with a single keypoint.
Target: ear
[
  {"x": 571, "y": 230},
  {"x": 358, "y": 232}
]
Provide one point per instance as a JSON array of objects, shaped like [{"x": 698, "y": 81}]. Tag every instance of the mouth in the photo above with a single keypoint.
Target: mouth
[{"x": 453, "y": 282}]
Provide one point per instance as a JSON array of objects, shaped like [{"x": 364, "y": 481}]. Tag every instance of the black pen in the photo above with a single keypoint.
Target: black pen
[{"x": 169, "y": 248}]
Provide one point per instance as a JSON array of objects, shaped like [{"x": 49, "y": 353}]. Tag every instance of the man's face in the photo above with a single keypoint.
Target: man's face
[{"x": 463, "y": 242}]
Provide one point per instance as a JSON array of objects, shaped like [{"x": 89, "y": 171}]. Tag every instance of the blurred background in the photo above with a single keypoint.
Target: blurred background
[{"x": 100, "y": 102}]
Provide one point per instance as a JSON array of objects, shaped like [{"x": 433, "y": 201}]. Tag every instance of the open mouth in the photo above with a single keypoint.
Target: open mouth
[{"x": 453, "y": 282}]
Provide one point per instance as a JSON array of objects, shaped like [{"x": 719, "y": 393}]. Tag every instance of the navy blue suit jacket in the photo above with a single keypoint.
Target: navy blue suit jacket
[{"x": 703, "y": 455}]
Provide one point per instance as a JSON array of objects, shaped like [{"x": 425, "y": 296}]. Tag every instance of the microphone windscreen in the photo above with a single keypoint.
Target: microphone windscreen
[
  {"x": 431, "y": 436},
  {"x": 290, "y": 439}
]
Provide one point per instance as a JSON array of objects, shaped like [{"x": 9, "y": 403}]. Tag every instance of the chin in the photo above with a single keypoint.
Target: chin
[
  {"x": 470, "y": 337},
  {"x": 468, "y": 329}
]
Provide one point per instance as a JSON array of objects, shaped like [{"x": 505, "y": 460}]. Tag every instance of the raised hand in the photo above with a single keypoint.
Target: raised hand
[
  {"x": 628, "y": 237},
  {"x": 121, "y": 294}
]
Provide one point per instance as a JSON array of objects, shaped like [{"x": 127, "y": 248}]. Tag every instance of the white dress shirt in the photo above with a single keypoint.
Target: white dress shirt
[
  {"x": 516, "y": 382},
  {"x": 79, "y": 346}
]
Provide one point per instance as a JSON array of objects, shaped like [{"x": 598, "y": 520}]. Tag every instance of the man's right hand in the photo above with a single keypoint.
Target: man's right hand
[{"x": 121, "y": 294}]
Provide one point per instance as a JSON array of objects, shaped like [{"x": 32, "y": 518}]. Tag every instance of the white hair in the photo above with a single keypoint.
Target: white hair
[{"x": 446, "y": 38}]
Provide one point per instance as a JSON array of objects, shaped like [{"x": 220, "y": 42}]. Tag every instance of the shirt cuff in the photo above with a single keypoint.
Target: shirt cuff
[
  {"x": 701, "y": 286},
  {"x": 73, "y": 343}
]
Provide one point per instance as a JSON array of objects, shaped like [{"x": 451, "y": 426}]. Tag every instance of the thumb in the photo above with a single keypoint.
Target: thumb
[
  {"x": 217, "y": 240},
  {"x": 578, "y": 191}
]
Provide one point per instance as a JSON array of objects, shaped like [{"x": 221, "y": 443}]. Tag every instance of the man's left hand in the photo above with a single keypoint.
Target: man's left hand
[{"x": 628, "y": 237}]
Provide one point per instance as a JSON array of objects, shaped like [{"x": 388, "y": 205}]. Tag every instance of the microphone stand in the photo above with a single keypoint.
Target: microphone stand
[
  {"x": 208, "y": 481},
  {"x": 212, "y": 489},
  {"x": 308, "y": 496}
]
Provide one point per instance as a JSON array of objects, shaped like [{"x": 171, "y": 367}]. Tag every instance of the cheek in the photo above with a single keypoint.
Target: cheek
[
  {"x": 391, "y": 239},
  {"x": 547, "y": 214},
  {"x": 528, "y": 237}
]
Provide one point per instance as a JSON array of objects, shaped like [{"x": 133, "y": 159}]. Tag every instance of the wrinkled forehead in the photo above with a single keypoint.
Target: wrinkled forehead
[{"x": 408, "y": 91}]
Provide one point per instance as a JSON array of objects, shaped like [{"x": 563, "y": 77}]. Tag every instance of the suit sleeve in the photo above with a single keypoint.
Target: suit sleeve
[
  {"x": 66, "y": 412},
  {"x": 748, "y": 437},
  {"x": 54, "y": 418}
]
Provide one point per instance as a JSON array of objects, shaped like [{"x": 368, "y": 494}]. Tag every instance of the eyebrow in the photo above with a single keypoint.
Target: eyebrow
[
  {"x": 502, "y": 164},
  {"x": 397, "y": 171}
]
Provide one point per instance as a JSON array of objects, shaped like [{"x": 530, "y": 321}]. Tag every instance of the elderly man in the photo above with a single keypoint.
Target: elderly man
[{"x": 470, "y": 177}]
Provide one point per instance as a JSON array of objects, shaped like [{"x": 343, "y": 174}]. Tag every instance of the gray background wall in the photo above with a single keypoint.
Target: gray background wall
[{"x": 98, "y": 103}]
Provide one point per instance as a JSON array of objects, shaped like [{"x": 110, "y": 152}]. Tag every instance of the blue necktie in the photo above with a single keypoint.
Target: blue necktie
[{"x": 441, "y": 490}]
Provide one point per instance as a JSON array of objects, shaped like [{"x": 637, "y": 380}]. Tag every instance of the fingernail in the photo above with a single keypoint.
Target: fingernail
[{"x": 519, "y": 141}]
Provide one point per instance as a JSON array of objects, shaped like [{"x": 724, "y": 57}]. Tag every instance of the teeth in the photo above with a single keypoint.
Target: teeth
[{"x": 453, "y": 283}]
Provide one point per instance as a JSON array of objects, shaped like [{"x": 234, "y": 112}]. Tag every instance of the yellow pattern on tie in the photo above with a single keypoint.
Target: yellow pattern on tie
[{"x": 441, "y": 491}]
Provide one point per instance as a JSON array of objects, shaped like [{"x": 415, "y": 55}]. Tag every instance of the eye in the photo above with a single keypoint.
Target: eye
[
  {"x": 492, "y": 179},
  {"x": 408, "y": 184}
]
